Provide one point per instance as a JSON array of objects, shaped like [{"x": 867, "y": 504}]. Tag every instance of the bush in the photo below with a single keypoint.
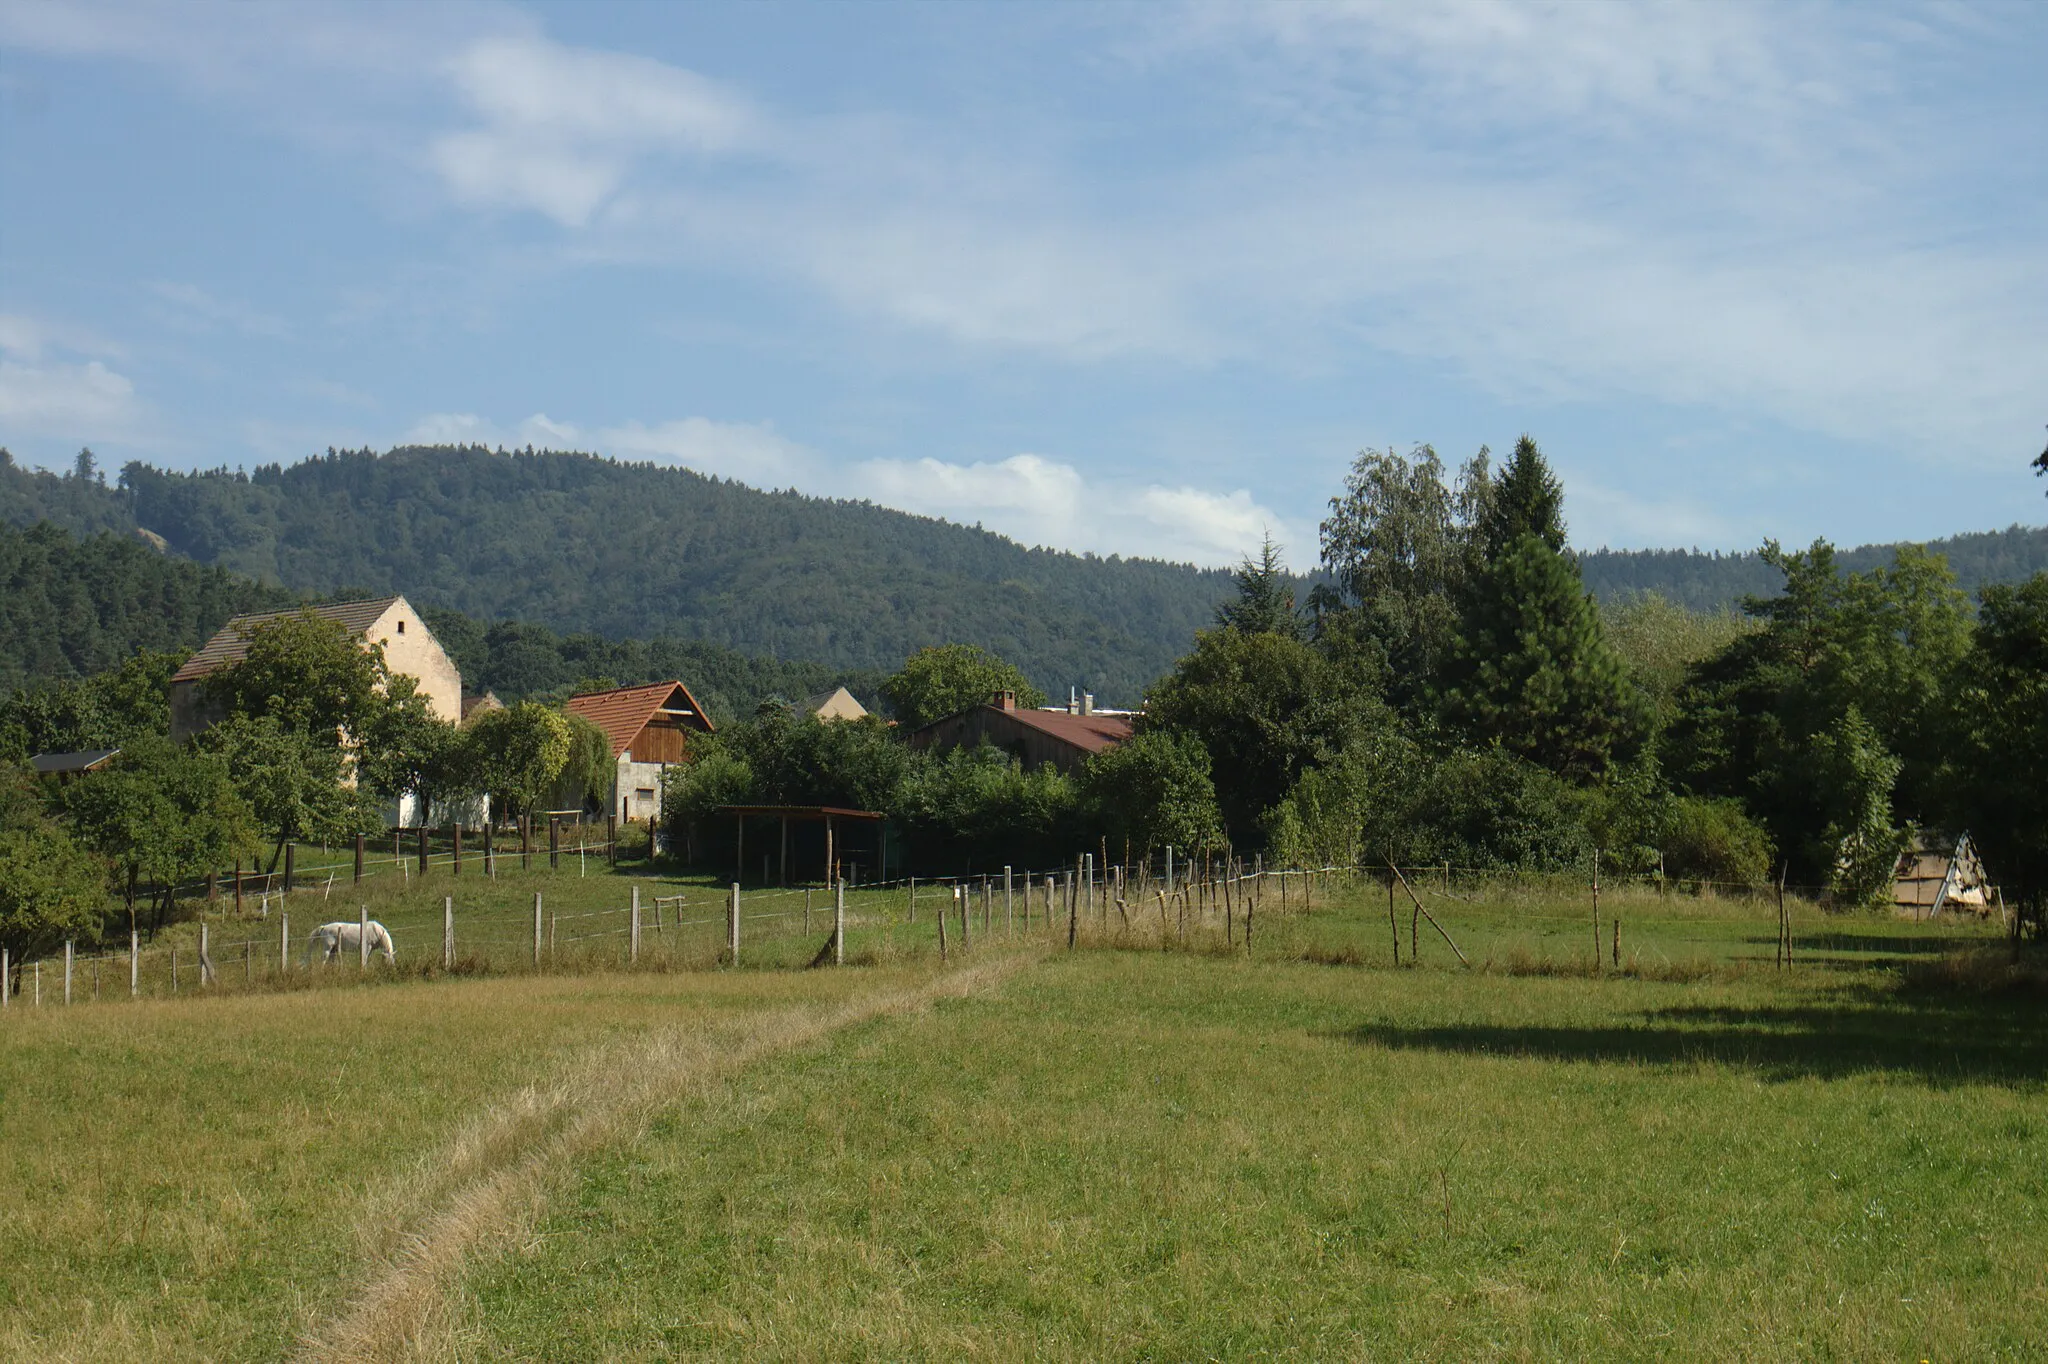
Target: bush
[
  {"x": 1151, "y": 792},
  {"x": 1711, "y": 839}
]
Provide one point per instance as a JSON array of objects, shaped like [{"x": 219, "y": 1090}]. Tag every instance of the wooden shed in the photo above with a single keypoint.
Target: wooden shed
[{"x": 1937, "y": 874}]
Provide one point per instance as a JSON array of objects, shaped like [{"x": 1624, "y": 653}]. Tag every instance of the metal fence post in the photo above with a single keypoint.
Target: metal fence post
[
  {"x": 732, "y": 924},
  {"x": 448, "y": 931},
  {"x": 284, "y": 943},
  {"x": 839, "y": 925},
  {"x": 536, "y": 930},
  {"x": 633, "y": 936},
  {"x": 1009, "y": 905}
]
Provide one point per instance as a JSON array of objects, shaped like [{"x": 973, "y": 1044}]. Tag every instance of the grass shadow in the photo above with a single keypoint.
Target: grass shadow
[{"x": 1937, "y": 1035}]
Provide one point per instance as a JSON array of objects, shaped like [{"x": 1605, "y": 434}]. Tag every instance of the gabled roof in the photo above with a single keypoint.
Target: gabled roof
[
  {"x": 230, "y": 643},
  {"x": 622, "y": 713},
  {"x": 72, "y": 762}
]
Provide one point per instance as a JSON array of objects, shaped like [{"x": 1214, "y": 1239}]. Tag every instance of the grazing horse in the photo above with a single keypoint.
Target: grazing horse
[{"x": 338, "y": 937}]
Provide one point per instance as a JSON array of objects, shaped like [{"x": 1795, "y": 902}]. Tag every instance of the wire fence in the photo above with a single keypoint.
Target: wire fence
[{"x": 295, "y": 943}]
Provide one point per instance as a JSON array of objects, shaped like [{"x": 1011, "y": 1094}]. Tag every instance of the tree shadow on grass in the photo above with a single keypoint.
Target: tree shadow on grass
[{"x": 1942, "y": 1039}]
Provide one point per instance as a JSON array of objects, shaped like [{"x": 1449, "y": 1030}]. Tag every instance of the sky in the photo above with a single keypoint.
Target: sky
[{"x": 1137, "y": 279}]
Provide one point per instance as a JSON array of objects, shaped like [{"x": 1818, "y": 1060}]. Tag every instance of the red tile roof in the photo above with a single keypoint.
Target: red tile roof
[
  {"x": 624, "y": 712},
  {"x": 230, "y": 643}
]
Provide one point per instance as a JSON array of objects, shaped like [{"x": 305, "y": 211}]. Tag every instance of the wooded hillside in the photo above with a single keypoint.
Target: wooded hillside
[
  {"x": 74, "y": 607},
  {"x": 579, "y": 543},
  {"x": 1711, "y": 581}
]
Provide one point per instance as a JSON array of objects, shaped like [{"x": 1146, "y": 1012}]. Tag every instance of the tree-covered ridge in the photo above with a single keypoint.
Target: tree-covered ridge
[
  {"x": 74, "y": 607},
  {"x": 577, "y": 542},
  {"x": 1715, "y": 581}
]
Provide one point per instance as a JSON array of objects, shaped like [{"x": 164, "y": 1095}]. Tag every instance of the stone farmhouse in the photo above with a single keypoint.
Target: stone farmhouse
[{"x": 410, "y": 650}]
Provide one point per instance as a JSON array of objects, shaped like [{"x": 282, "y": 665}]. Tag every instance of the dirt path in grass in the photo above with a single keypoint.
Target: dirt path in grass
[{"x": 483, "y": 1191}]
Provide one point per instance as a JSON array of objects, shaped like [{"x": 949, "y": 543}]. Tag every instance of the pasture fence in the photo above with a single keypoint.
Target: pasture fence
[{"x": 1168, "y": 899}]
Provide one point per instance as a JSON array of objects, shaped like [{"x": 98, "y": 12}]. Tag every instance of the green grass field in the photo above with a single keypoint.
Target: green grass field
[{"x": 1135, "y": 1153}]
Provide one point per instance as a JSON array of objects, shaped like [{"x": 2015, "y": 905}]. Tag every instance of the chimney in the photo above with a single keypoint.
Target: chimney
[
  {"x": 1073, "y": 701},
  {"x": 1087, "y": 703},
  {"x": 1006, "y": 700}
]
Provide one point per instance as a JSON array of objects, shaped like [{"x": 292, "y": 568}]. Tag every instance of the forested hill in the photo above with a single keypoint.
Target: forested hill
[
  {"x": 580, "y": 543},
  {"x": 1708, "y": 582},
  {"x": 74, "y": 607},
  {"x": 71, "y": 608}
]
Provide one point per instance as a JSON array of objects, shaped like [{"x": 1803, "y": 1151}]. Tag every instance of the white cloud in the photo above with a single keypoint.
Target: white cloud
[
  {"x": 81, "y": 402},
  {"x": 44, "y": 393},
  {"x": 453, "y": 428},
  {"x": 558, "y": 127},
  {"x": 753, "y": 453},
  {"x": 1040, "y": 501}
]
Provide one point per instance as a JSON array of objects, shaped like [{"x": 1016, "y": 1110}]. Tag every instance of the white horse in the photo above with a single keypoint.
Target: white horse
[{"x": 338, "y": 937}]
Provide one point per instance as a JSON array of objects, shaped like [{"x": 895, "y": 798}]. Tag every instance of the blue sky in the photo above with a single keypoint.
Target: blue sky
[{"x": 1134, "y": 279}]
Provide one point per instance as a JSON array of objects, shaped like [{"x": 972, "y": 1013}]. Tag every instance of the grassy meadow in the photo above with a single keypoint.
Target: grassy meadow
[{"x": 1123, "y": 1152}]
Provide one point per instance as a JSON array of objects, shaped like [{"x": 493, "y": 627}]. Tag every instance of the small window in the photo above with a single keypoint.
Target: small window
[{"x": 401, "y": 627}]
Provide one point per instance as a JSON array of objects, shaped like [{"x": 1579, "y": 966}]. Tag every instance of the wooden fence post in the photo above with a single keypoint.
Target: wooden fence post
[
  {"x": 732, "y": 925},
  {"x": 291, "y": 879},
  {"x": 941, "y": 916},
  {"x": 448, "y": 928},
  {"x": 1009, "y": 906},
  {"x": 1596, "y": 909},
  {"x": 525, "y": 842},
  {"x": 633, "y": 930},
  {"x": 839, "y": 924},
  {"x": 554, "y": 842},
  {"x": 966, "y": 917},
  {"x": 206, "y": 955},
  {"x": 1073, "y": 910}
]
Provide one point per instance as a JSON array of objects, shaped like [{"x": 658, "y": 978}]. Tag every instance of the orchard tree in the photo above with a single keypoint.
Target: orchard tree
[
  {"x": 518, "y": 753},
  {"x": 296, "y": 785},
  {"x": 948, "y": 678},
  {"x": 161, "y": 815},
  {"x": 52, "y": 889},
  {"x": 307, "y": 673}
]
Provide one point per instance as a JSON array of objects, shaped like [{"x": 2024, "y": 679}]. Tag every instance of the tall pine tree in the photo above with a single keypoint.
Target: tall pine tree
[{"x": 1531, "y": 668}]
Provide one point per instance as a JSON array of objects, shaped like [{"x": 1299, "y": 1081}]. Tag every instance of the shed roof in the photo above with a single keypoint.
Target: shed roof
[
  {"x": 84, "y": 761},
  {"x": 800, "y": 811},
  {"x": 624, "y": 711},
  {"x": 230, "y": 643}
]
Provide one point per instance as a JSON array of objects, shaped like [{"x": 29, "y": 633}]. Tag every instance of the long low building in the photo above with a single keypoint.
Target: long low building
[{"x": 1064, "y": 738}]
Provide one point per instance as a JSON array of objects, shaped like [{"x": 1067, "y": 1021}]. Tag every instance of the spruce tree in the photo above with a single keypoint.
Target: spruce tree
[
  {"x": 1526, "y": 499},
  {"x": 1264, "y": 603},
  {"x": 1532, "y": 669}
]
